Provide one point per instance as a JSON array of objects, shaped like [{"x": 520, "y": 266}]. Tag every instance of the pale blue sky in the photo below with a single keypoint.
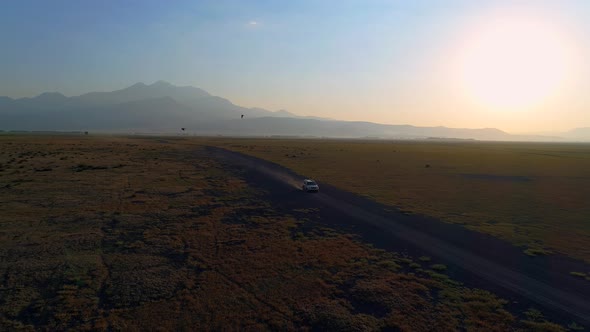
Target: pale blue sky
[{"x": 383, "y": 61}]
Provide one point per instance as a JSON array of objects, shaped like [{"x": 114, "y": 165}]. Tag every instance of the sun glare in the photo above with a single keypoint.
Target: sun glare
[{"x": 513, "y": 64}]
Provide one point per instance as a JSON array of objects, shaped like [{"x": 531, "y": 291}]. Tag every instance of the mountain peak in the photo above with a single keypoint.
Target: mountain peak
[
  {"x": 137, "y": 85},
  {"x": 162, "y": 83},
  {"x": 51, "y": 96}
]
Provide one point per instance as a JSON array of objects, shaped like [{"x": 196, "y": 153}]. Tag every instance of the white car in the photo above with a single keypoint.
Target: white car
[{"x": 310, "y": 186}]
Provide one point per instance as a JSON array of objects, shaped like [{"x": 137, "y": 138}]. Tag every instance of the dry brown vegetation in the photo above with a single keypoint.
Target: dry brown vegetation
[
  {"x": 128, "y": 234},
  {"x": 532, "y": 194}
]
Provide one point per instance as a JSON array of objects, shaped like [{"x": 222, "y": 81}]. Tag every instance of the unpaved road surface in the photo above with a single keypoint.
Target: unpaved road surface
[{"x": 476, "y": 259}]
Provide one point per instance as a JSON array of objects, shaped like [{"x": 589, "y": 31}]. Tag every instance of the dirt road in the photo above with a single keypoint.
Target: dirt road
[{"x": 476, "y": 259}]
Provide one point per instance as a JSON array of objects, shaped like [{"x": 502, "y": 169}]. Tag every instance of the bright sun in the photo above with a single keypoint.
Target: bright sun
[{"x": 513, "y": 64}]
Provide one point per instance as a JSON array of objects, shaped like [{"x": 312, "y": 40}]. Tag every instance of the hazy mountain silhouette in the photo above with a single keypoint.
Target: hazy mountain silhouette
[
  {"x": 140, "y": 91},
  {"x": 333, "y": 128},
  {"x": 163, "y": 107},
  {"x": 578, "y": 133}
]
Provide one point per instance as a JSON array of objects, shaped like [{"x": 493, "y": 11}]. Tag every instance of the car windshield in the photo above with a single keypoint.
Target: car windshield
[{"x": 310, "y": 183}]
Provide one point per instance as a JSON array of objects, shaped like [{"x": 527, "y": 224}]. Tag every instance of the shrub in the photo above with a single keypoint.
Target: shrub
[
  {"x": 390, "y": 265},
  {"x": 542, "y": 326},
  {"x": 405, "y": 260},
  {"x": 578, "y": 274},
  {"x": 536, "y": 252},
  {"x": 534, "y": 315},
  {"x": 575, "y": 327},
  {"x": 438, "y": 267}
]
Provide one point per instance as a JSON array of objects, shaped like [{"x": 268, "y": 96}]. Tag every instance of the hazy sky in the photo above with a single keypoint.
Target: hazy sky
[{"x": 521, "y": 66}]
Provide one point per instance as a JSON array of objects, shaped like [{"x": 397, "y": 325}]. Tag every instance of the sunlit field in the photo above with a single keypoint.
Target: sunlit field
[
  {"x": 126, "y": 234},
  {"x": 532, "y": 194}
]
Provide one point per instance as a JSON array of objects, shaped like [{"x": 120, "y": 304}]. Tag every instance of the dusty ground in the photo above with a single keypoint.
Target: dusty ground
[{"x": 102, "y": 233}]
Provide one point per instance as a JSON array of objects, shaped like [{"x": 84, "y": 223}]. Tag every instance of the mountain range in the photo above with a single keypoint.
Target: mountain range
[{"x": 165, "y": 108}]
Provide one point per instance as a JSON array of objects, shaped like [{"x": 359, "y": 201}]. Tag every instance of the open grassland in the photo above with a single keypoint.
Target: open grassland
[
  {"x": 536, "y": 195},
  {"x": 127, "y": 234}
]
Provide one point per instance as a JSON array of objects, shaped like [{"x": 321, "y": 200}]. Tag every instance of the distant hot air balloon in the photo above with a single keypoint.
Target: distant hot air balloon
[
  {"x": 182, "y": 129},
  {"x": 242, "y": 116}
]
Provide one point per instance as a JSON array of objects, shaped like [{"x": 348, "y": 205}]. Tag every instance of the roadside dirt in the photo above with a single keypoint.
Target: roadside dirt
[{"x": 476, "y": 259}]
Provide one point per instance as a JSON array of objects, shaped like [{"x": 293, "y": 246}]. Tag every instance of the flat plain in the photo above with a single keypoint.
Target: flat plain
[
  {"x": 535, "y": 195},
  {"x": 115, "y": 233}
]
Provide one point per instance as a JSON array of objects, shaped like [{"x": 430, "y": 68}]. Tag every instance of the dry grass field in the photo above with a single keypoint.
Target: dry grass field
[
  {"x": 101, "y": 233},
  {"x": 536, "y": 195}
]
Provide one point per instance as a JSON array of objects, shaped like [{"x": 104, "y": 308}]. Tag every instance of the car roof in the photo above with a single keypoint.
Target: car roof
[{"x": 308, "y": 180}]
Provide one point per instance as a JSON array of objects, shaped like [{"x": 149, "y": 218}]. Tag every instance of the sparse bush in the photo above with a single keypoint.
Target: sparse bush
[
  {"x": 542, "y": 326},
  {"x": 424, "y": 259},
  {"x": 438, "y": 267},
  {"x": 437, "y": 276},
  {"x": 575, "y": 327},
  {"x": 405, "y": 260},
  {"x": 578, "y": 274},
  {"x": 390, "y": 265},
  {"x": 534, "y": 315}
]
